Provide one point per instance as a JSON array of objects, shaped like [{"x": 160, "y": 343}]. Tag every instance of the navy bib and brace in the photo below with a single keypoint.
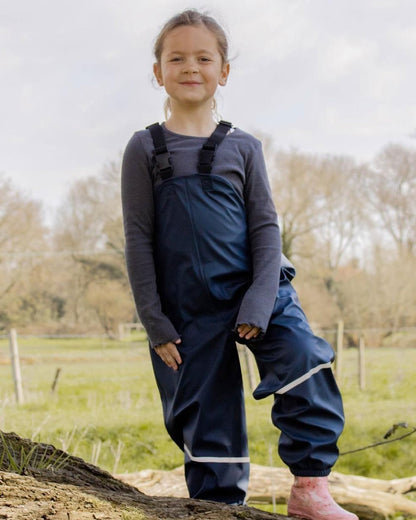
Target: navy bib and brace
[{"x": 203, "y": 267}]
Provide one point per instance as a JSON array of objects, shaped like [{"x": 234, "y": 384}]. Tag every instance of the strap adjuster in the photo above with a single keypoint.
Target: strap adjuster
[
  {"x": 164, "y": 161},
  {"x": 210, "y": 146},
  {"x": 161, "y": 153},
  {"x": 207, "y": 153}
]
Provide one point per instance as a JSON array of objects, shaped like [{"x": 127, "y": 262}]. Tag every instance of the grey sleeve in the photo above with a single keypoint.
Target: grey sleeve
[
  {"x": 138, "y": 217},
  {"x": 264, "y": 235}
]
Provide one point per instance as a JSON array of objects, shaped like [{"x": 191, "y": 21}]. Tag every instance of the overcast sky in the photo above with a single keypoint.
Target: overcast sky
[{"x": 324, "y": 76}]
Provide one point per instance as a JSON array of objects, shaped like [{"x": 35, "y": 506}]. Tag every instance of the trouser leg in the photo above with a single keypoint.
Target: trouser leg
[
  {"x": 295, "y": 366},
  {"x": 310, "y": 418},
  {"x": 203, "y": 406}
]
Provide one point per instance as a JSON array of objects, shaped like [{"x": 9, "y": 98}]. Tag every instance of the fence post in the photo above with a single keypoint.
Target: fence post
[
  {"x": 248, "y": 358},
  {"x": 55, "y": 380},
  {"x": 361, "y": 363},
  {"x": 17, "y": 376},
  {"x": 340, "y": 345},
  {"x": 121, "y": 331}
]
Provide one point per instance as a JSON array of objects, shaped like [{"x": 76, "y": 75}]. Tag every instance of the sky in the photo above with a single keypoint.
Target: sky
[{"x": 321, "y": 76}]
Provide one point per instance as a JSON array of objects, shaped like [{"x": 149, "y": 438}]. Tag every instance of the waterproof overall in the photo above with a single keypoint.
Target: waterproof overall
[{"x": 203, "y": 264}]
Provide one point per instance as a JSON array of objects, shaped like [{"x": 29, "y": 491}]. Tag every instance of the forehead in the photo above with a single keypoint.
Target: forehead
[{"x": 187, "y": 38}]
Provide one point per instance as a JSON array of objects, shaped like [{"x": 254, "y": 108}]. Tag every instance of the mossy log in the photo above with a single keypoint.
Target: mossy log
[
  {"x": 39, "y": 481},
  {"x": 34, "y": 476},
  {"x": 370, "y": 499}
]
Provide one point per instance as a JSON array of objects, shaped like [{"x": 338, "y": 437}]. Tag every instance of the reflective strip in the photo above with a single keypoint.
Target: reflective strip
[
  {"x": 303, "y": 378},
  {"x": 224, "y": 460}
]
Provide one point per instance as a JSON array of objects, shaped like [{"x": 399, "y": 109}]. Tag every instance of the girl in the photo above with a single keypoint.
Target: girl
[{"x": 204, "y": 261}]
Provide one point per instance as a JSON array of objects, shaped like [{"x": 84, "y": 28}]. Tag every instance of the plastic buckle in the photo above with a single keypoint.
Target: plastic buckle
[
  {"x": 206, "y": 158},
  {"x": 164, "y": 161}
]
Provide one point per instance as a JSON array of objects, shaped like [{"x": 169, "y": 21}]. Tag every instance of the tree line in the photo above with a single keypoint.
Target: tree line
[{"x": 349, "y": 228}]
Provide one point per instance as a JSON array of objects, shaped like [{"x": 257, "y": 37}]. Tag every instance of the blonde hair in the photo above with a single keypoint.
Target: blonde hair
[{"x": 192, "y": 17}]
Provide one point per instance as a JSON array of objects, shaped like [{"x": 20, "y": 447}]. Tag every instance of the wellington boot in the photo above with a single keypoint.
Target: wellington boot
[{"x": 310, "y": 500}]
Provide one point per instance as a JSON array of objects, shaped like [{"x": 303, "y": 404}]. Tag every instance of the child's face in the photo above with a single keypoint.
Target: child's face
[{"x": 191, "y": 66}]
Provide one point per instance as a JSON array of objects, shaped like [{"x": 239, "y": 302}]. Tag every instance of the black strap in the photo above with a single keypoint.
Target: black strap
[
  {"x": 161, "y": 152},
  {"x": 207, "y": 154}
]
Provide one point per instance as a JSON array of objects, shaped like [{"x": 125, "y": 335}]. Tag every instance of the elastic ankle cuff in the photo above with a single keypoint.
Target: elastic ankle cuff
[{"x": 310, "y": 473}]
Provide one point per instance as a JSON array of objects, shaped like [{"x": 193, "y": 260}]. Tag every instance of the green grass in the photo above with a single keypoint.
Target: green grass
[
  {"x": 106, "y": 408},
  {"x": 19, "y": 459},
  {"x": 387, "y": 399}
]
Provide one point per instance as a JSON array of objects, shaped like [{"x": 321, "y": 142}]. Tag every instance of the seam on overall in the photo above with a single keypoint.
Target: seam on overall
[{"x": 196, "y": 244}]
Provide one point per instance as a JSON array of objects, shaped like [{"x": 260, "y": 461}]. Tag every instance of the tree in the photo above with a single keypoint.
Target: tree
[
  {"x": 89, "y": 229},
  {"x": 297, "y": 200},
  {"x": 319, "y": 204},
  {"x": 22, "y": 233},
  {"x": 321, "y": 217},
  {"x": 391, "y": 193}
]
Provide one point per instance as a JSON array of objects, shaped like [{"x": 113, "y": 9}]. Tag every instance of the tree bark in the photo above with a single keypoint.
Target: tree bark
[
  {"x": 39, "y": 481},
  {"x": 370, "y": 499}
]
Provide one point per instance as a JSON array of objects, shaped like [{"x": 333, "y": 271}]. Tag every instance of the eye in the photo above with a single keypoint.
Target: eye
[
  {"x": 204, "y": 59},
  {"x": 175, "y": 59}
]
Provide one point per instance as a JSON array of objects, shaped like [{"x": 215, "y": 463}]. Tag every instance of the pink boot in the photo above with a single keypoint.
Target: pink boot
[{"x": 310, "y": 499}]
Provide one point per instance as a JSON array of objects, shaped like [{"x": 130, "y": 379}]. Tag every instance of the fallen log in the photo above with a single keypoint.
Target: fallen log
[
  {"x": 398, "y": 486},
  {"x": 40, "y": 464},
  {"x": 39, "y": 481},
  {"x": 370, "y": 499}
]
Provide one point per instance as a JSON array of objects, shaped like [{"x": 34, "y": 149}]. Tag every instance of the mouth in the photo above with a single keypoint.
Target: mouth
[{"x": 190, "y": 83}]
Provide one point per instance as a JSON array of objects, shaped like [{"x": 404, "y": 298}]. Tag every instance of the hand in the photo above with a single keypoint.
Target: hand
[
  {"x": 169, "y": 354},
  {"x": 248, "y": 331}
]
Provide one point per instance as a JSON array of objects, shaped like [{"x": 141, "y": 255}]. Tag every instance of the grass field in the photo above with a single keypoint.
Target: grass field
[{"x": 106, "y": 407}]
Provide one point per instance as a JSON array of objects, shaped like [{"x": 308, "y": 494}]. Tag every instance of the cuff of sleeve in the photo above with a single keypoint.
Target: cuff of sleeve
[
  {"x": 254, "y": 321},
  {"x": 244, "y": 341},
  {"x": 168, "y": 333},
  {"x": 254, "y": 313}
]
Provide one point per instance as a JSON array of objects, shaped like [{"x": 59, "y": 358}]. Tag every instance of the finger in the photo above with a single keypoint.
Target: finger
[
  {"x": 170, "y": 361},
  {"x": 169, "y": 354},
  {"x": 175, "y": 354},
  {"x": 172, "y": 364},
  {"x": 243, "y": 329},
  {"x": 163, "y": 352},
  {"x": 253, "y": 333},
  {"x": 248, "y": 331}
]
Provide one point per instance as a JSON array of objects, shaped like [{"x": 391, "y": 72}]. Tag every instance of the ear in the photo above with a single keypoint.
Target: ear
[
  {"x": 224, "y": 75},
  {"x": 158, "y": 74}
]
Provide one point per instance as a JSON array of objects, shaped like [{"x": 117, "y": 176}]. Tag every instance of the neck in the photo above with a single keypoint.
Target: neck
[{"x": 194, "y": 121}]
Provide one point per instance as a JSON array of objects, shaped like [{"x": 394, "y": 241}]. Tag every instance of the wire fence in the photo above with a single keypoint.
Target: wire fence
[{"x": 33, "y": 349}]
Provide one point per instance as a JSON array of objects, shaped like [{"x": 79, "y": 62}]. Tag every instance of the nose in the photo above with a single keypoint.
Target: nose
[{"x": 191, "y": 66}]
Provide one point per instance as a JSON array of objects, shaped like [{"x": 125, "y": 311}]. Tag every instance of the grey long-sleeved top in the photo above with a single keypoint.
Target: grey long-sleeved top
[{"x": 240, "y": 159}]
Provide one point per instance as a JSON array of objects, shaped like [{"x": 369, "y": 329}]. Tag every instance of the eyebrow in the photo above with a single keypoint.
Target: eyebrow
[{"x": 202, "y": 51}]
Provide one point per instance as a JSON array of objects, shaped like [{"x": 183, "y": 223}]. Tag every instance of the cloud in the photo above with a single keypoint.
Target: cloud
[
  {"x": 344, "y": 56},
  {"x": 320, "y": 75}
]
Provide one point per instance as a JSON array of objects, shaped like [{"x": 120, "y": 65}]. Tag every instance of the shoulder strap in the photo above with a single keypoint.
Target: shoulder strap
[
  {"x": 207, "y": 154},
  {"x": 161, "y": 152}
]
